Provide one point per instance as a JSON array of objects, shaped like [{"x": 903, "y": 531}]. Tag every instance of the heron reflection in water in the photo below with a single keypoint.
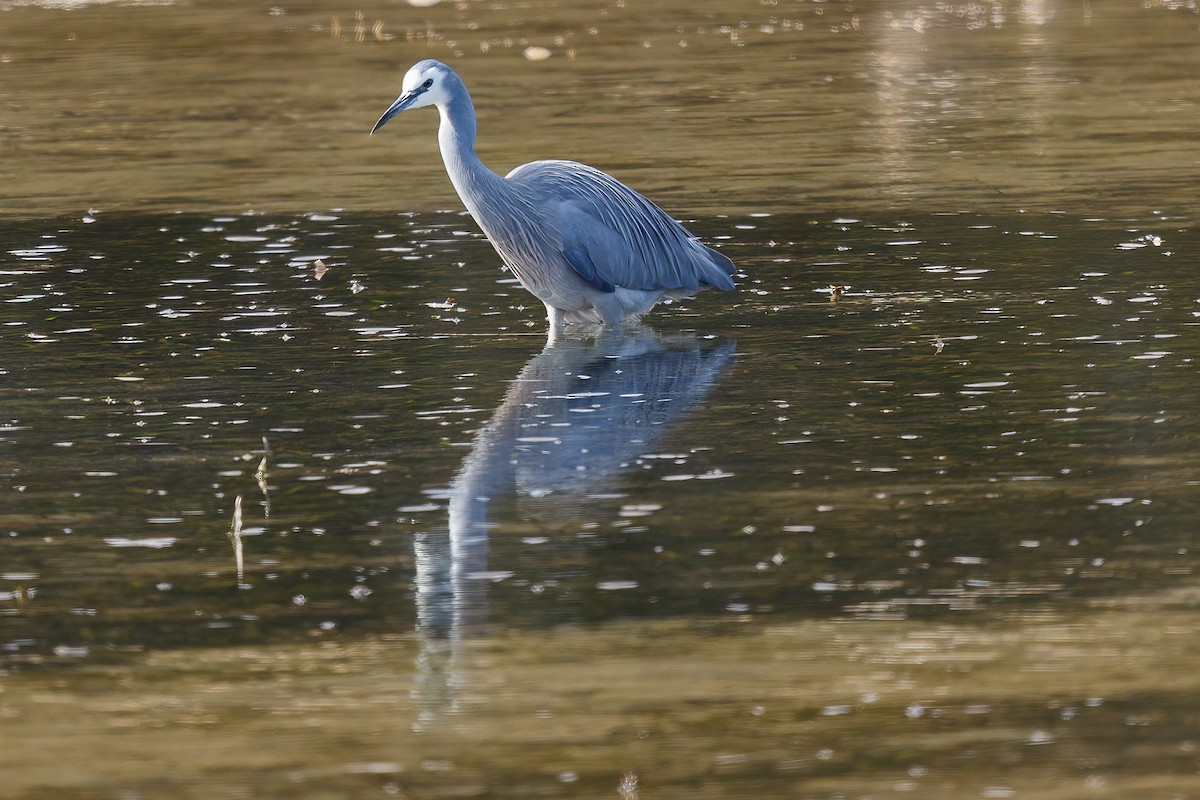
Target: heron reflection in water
[{"x": 577, "y": 415}]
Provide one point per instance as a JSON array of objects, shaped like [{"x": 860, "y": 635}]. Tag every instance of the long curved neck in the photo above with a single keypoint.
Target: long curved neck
[{"x": 479, "y": 187}]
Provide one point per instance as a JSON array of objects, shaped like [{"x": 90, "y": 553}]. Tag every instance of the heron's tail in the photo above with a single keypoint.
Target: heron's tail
[{"x": 716, "y": 270}]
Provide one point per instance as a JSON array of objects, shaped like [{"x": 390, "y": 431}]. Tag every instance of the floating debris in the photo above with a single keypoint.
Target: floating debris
[
  {"x": 260, "y": 477},
  {"x": 235, "y": 535}
]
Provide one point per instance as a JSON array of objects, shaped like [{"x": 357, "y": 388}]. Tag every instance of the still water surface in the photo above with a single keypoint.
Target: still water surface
[{"x": 298, "y": 502}]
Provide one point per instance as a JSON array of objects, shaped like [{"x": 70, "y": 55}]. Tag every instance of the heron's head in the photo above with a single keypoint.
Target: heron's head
[{"x": 427, "y": 83}]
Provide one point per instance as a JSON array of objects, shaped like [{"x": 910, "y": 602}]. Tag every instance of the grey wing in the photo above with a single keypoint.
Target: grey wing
[{"x": 614, "y": 237}]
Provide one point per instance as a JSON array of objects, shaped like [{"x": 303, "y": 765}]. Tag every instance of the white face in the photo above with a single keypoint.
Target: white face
[
  {"x": 427, "y": 80},
  {"x": 427, "y": 83}
]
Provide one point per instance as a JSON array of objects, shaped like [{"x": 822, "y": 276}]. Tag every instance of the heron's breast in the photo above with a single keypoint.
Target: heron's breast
[{"x": 535, "y": 256}]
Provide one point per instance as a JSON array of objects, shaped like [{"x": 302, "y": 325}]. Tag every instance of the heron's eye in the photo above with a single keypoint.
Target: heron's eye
[{"x": 428, "y": 82}]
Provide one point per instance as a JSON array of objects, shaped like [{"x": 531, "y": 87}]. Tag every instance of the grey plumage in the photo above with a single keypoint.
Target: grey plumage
[{"x": 589, "y": 247}]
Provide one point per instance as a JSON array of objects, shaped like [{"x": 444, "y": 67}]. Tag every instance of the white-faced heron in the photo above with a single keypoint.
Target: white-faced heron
[{"x": 586, "y": 245}]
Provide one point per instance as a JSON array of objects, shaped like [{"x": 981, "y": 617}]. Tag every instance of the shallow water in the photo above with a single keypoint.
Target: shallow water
[{"x": 299, "y": 503}]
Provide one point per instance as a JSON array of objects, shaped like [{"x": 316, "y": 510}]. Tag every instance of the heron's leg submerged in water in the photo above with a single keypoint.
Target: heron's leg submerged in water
[
  {"x": 557, "y": 319},
  {"x": 575, "y": 324}
]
